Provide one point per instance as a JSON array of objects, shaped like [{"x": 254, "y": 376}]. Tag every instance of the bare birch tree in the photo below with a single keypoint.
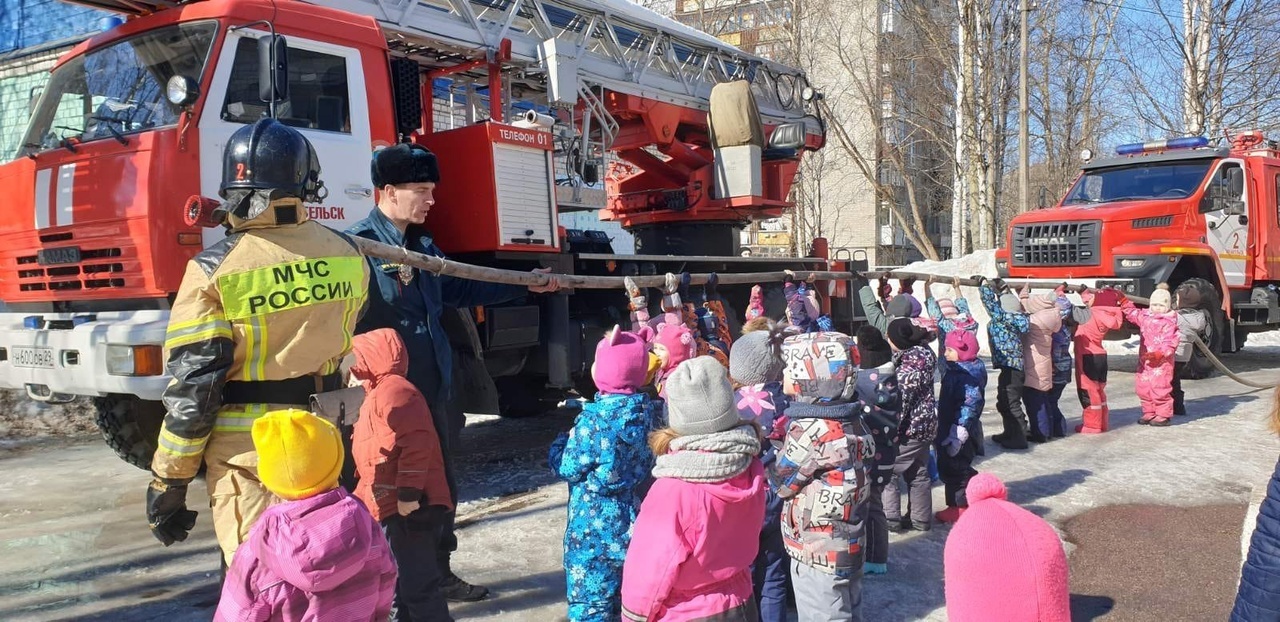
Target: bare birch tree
[{"x": 1202, "y": 67}]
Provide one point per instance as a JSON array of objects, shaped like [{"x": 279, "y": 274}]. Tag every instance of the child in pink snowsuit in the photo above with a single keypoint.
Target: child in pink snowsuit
[{"x": 1158, "y": 325}]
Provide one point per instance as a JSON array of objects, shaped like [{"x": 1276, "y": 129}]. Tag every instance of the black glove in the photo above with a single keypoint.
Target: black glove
[
  {"x": 980, "y": 280},
  {"x": 997, "y": 284},
  {"x": 713, "y": 282},
  {"x": 685, "y": 279},
  {"x": 167, "y": 512}
]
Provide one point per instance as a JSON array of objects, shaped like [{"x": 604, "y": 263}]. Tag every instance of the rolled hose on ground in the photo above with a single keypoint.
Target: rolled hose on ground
[{"x": 440, "y": 265}]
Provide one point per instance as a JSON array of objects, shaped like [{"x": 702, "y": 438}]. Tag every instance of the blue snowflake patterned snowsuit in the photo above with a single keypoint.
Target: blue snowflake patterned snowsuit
[{"x": 605, "y": 457}]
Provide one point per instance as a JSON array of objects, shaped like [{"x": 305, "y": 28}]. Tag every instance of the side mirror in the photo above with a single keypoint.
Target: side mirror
[
  {"x": 1233, "y": 207},
  {"x": 181, "y": 91},
  {"x": 273, "y": 69},
  {"x": 1235, "y": 182}
]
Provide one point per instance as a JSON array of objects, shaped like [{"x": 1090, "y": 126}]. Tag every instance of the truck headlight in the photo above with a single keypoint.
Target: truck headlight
[
  {"x": 125, "y": 360},
  {"x": 1132, "y": 263}
]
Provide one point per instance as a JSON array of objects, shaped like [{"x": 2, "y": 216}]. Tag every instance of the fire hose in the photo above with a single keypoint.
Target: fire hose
[{"x": 442, "y": 266}]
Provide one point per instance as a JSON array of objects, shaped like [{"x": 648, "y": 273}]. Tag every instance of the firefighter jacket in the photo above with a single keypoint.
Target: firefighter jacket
[
  {"x": 277, "y": 299},
  {"x": 414, "y": 308}
]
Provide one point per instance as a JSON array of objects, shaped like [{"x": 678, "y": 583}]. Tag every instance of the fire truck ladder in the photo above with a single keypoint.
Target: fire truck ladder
[{"x": 612, "y": 44}]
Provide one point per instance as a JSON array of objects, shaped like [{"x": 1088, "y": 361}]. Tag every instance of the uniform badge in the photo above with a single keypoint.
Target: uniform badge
[{"x": 406, "y": 273}]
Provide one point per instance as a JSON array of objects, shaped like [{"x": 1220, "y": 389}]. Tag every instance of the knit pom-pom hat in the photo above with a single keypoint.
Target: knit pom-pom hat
[
  {"x": 1161, "y": 297},
  {"x": 1002, "y": 562}
]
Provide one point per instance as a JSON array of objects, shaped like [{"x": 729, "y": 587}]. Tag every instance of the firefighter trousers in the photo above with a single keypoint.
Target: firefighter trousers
[{"x": 236, "y": 497}]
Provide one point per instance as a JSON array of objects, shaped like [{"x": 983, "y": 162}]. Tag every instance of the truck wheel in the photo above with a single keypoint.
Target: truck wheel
[
  {"x": 1216, "y": 330},
  {"x": 131, "y": 427},
  {"x": 520, "y": 397}
]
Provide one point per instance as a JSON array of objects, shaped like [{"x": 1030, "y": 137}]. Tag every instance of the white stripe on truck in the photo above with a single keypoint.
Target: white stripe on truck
[
  {"x": 66, "y": 195},
  {"x": 42, "y": 197}
]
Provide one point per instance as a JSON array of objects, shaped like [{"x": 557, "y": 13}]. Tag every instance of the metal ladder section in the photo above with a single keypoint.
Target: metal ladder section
[{"x": 611, "y": 43}]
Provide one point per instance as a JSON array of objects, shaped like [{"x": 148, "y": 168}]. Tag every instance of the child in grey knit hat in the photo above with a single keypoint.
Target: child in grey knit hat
[
  {"x": 755, "y": 366},
  {"x": 694, "y": 540}
]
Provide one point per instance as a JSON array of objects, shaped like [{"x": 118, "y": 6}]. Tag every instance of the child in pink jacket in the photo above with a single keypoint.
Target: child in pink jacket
[
  {"x": 698, "y": 530},
  {"x": 1158, "y": 325},
  {"x": 319, "y": 555}
]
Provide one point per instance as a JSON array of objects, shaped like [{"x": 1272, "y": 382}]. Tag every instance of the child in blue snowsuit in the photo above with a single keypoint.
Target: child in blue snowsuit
[
  {"x": 605, "y": 457},
  {"x": 960, "y": 406},
  {"x": 755, "y": 366},
  {"x": 1005, "y": 332}
]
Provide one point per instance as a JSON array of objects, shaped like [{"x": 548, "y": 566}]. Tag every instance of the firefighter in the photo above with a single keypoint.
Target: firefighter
[{"x": 261, "y": 321}]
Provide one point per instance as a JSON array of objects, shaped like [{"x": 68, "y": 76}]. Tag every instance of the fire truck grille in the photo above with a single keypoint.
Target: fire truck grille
[
  {"x": 94, "y": 271},
  {"x": 1057, "y": 244}
]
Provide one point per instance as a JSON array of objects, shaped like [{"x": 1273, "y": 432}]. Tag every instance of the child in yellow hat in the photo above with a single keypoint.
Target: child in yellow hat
[{"x": 317, "y": 555}]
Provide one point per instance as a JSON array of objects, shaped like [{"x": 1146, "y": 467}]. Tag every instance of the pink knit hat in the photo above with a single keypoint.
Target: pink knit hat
[
  {"x": 679, "y": 342},
  {"x": 1002, "y": 562},
  {"x": 948, "y": 308},
  {"x": 622, "y": 361},
  {"x": 964, "y": 343}
]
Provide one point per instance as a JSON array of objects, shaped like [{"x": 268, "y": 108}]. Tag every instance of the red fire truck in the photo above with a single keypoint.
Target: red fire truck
[
  {"x": 527, "y": 101},
  {"x": 1170, "y": 211}
]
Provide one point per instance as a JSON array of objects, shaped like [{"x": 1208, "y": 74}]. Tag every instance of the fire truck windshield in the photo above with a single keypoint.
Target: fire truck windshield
[
  {"x": 119, "y": 89},
  {"x": 1140, "y": 182}
]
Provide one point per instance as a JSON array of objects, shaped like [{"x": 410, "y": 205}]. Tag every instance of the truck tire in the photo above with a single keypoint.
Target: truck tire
[
  {"x": 522, "y": 396},
  {"x": 1216, "y": 330},
  {"x": 131, "y": 427}
]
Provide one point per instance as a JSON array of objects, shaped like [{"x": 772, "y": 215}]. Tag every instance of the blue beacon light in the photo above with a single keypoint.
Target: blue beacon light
[{"x": 1186, "y": 142}]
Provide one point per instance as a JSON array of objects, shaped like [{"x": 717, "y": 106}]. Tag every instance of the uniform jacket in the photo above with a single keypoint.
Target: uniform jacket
[
  {"x": 1159, "y": 332},
  {"x": 881, "y": 398},
  {"x": 278, "y": 298},
  {"x": 395, "y": 445},
  {"x": 1093, "y": 324},
  {"x": 822, "y": 474},
  {"x": 692, "y": 549},
  {"x": 961, "y": 399},
  {"x": 916, "y": 368},
  {"x": 607, "y": 451},
  {"x": 319, "y": 558},
  {"x": 414, "y": 310},
  {"x": 1258, "y": 597},
  {"x": 1190, "y": 322},
  {"x": 1005, "y": 331},
  {"x": 1037, "y": 347}
]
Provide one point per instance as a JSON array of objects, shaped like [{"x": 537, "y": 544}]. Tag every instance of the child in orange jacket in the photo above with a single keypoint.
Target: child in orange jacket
[{"x": 401, "y": 471}]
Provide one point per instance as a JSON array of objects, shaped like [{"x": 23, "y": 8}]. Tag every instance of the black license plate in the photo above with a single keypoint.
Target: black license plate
[{"x": 55, "y": 256}]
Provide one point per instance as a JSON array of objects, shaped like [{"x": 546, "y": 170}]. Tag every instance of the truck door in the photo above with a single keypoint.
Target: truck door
[
  {"x": 1228, "y": 221},
  {"x": 326, "y": 103}
]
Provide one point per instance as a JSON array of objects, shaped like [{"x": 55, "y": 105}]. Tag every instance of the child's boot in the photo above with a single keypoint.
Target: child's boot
[
  {"x": 949, "y": 515},
  {"x": 1094, "y": 421}
]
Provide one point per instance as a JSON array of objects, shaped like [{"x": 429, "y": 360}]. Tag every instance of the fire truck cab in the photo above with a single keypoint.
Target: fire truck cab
[{"x": 1168, "y": 211}]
